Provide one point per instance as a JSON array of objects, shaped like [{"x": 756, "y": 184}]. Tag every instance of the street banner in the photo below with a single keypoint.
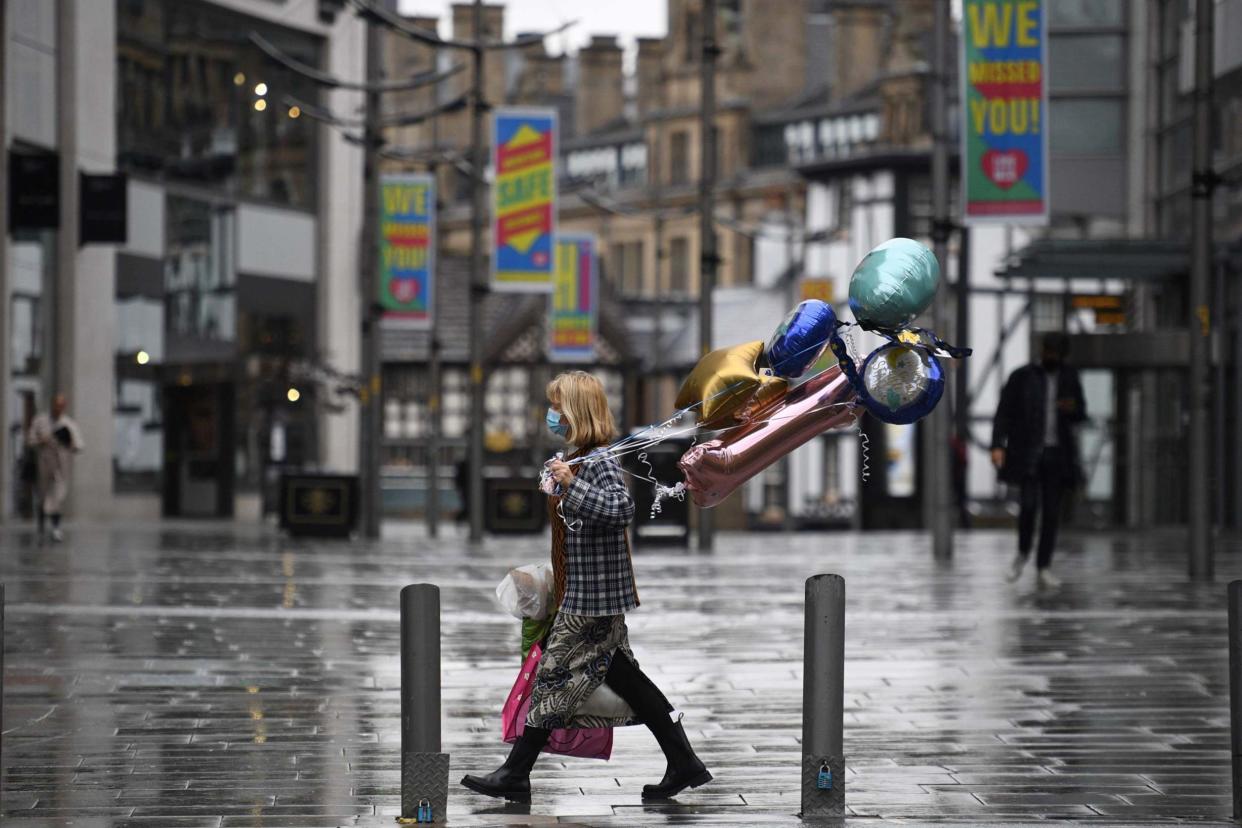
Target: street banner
[
  {"x": 407, "y": 249},
  {"x": 523, "y": 199},
  {"x": 574, "y": 314},
  {"x": 1004, "y": 112}
]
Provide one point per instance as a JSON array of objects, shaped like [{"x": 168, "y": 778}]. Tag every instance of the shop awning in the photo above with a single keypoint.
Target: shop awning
[{"x": 1145, "y": 259}]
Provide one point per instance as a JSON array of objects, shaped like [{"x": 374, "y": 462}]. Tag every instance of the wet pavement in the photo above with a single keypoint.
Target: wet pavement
[{"x": 217, "y": 675}]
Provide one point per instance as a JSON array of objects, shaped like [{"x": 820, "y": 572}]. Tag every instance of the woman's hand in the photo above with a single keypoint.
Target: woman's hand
[{"x": 562, "y": 473}]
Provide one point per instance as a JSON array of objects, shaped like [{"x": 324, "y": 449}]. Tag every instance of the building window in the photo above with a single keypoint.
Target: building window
[
  {"x": 138, "y": 434},
  {"x": 1086, "y": 62},
  {"x": 199, "y": 280},
  {"x": 626, "y": 267},
  {"x": 679, "y": 157},
  {"x": 507, "y": 402},
  {"x": 1087, "y": 126},
  {"x": 1083, "y": 13},
  {"x": 1048, "y": 313},
  {"x": 679, "y": 265},
  {"x": 198, "y": 102},
  {"x": 26, "y": 349},
  {"x": 693, "y": 46},
  {"x": 845, "y": 205},
  {"x": 30, "y": 269}
]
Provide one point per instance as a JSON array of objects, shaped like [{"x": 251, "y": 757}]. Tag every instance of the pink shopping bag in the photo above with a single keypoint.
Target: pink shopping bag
[{"x": 587, "y": 742}]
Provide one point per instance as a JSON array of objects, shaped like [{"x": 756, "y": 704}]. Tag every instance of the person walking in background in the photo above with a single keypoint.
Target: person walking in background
[
  {"x": 589, "y": 643},
  {"x": 1034, "y": 447},
  {"x": 55, "y": 438}
]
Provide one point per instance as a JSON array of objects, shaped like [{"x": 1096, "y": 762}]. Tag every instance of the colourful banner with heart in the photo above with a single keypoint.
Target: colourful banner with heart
[
  {"x": 574, "y": 310},
  {"x": 407, "y": 249},
  {"x": 1004, "y": 112},
  {"x": 523, "y": 199}
]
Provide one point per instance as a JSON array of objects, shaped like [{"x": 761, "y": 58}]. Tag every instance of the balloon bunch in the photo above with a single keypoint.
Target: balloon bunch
[
  {"x": 901, "y": 381},
  {"x": 745, "y": 395},
  {"x": 748, "y": 385}
]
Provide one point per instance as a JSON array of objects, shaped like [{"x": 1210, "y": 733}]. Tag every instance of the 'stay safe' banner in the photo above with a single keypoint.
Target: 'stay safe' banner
[
  {"x": 574, "y": 313},
  {"x": 407, "y": 249},
  {"x": 523, "y": 199},
  {"x": 1004, "y": 111}
]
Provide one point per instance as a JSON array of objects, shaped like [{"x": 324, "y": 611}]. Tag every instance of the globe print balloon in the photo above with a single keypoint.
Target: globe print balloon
[{"x": 901, "y": 384}]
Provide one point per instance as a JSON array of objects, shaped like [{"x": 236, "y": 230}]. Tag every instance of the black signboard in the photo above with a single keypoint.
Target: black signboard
[
  {"x": 34, "y": 191},
  {"x": 323, "y": 505},
  {"x": 102, "y": 209},
  {"x": 514, "y": 506}
]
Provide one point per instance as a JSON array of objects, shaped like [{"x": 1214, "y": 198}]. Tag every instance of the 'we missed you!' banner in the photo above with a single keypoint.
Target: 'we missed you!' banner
[
  {"x": 523, "y": 199},
  {"x": 1004, "y": 111},
  {"x": 407, "y": 249},
  {"x": 575, "y": 304}
]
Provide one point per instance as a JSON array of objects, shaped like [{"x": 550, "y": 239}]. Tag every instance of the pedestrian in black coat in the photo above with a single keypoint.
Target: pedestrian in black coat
[{"x": 1034, "y": 447}]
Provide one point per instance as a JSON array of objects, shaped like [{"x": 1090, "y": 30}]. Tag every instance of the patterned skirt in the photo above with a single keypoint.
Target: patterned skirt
[{"x": 575, "y": 660}]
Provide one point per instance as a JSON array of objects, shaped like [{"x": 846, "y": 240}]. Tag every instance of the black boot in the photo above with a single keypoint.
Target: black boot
[
  {"x": 512, "y": 779},
  {"x": 684, "y": 768}
]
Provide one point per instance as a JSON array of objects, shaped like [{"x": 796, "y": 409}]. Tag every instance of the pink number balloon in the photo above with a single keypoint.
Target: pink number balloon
[{"x": 715, "y": 468}]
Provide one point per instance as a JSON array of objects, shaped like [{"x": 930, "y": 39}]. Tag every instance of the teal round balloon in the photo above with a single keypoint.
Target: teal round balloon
[{"x": 893, "y": 284}]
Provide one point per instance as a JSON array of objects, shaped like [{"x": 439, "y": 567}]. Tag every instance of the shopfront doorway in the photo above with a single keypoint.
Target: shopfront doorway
[{"x": 198, "y": 450}]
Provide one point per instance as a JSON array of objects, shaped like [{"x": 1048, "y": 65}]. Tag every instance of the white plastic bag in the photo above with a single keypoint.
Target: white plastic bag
[
  {"x": 524, "y": 592},
  {"x": 605, "y": 702}
]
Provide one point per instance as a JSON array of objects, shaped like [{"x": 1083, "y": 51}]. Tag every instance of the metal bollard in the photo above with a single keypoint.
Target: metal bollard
[
  {"x": 1235, "y": 690},
  {"x": 1, "y": 690},
  {"x": 823, "y": 698},
  {"x": 424, "y": 769}
]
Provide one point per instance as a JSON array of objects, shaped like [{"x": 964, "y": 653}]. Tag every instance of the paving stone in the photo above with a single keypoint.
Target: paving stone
[{"x": 219, "y": 675}]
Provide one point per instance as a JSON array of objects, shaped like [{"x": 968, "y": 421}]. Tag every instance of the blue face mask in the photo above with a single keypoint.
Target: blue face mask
[{"x": 556, "y": 423}]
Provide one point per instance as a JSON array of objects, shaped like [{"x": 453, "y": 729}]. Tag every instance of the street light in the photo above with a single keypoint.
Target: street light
[
  {"x": 294, "y": 395},
  {"x": 260, "y": 89},
  {"x": 142, "y": 357}
]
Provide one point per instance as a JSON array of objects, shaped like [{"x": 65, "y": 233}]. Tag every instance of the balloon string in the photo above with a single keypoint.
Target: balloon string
[
  {"x": 864, "y": 442},
  {"x": 571, "y": 525},
  {"x": 774, "y": 418},
  {"x": 668, "y": 422}
]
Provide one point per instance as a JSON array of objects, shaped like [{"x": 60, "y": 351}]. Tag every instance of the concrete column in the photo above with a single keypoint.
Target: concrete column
[
  {"x": 340, "y": 214},
  {"x": 85, "y": 287},
  {"x": 6, "y": 458}
]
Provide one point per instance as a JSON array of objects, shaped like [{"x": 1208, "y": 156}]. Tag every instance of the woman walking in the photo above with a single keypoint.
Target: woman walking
[
  {"x": 594, "y": 576},
  {"x": 54, "y": 439}
]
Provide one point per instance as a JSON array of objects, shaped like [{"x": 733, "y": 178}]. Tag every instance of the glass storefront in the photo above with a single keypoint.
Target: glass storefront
[
  {"x": 199, "y": 103},
  {"x": 204, "y": 402}
]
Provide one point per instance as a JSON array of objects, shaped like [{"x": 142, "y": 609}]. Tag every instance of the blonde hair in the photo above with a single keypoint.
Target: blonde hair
[{"x": 581, "y": 399}]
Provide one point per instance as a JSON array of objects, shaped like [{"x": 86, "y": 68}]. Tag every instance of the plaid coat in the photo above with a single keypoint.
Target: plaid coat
[{"x": 600, "y": 574}]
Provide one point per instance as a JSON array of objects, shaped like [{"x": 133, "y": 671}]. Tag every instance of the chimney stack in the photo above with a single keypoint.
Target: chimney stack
[
  {"x": 600, "y": 93},
  {"x": 859, "y": 30},
  {"x": 650, "y": 75}
]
